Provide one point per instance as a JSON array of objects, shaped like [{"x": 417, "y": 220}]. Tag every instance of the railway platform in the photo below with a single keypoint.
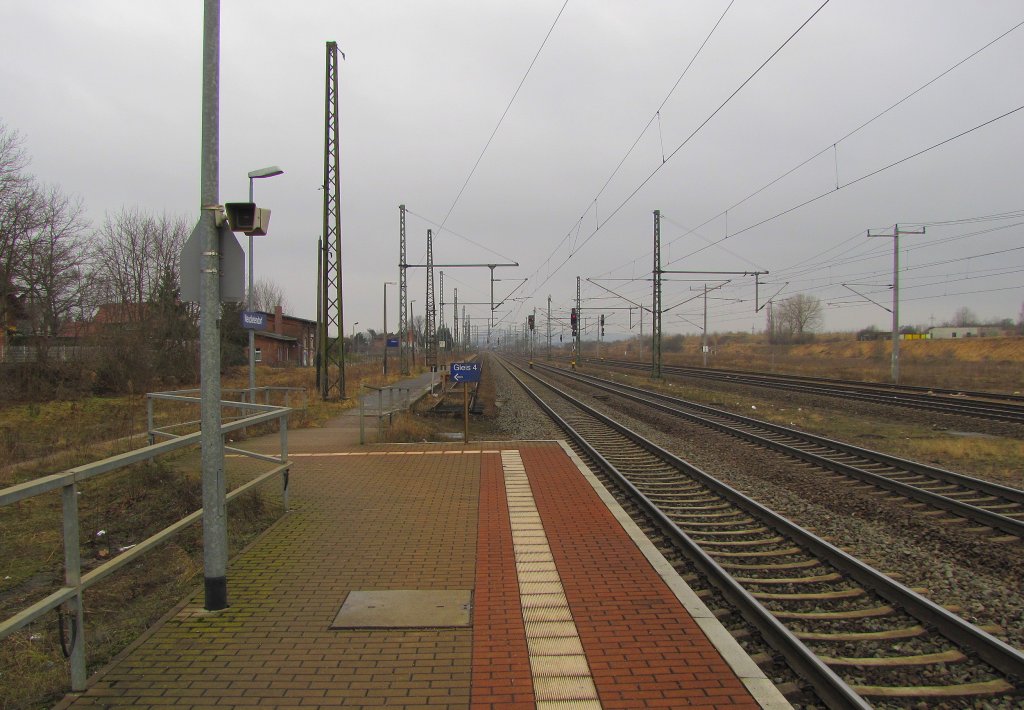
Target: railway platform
[{"x": 489, "y": 575}]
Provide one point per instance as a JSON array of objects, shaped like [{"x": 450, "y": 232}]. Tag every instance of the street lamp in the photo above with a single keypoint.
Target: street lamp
[
  {"x": 267, "y": 172},
  {"x": 386, "y": 284}
]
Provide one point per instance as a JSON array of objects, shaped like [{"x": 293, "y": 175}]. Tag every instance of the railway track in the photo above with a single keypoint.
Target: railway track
[
  {"x": 995, "y": 511},
  {"x": 853, "y": 634},
  {"x": 982, "y": 405}
]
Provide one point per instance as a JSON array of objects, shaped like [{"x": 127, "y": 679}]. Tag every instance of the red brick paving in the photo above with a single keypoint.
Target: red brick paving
[
  {"x": 406, "y": 522},
  {"x": 501, "y": 666},
  {"x": 643, "y": 648}
]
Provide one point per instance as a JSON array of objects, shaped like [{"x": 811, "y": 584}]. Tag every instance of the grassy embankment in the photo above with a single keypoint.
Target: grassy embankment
[
  {"x": 995, "y": 364},
  {"x": 116, "y": 511}
]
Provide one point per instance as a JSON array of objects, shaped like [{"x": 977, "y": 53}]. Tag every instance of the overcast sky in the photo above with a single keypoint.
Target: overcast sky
[{"x": 107, "y": 97}]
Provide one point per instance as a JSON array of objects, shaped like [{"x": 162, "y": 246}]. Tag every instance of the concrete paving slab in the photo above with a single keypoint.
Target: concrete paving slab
[{"x": 404, "y": 609}]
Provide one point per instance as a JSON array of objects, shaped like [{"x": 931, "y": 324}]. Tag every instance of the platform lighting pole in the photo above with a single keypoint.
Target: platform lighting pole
[
  {"x": 895, "y": 236},
  {"x": 267, "y": 172},
  {"x": 215, "y": 539}
]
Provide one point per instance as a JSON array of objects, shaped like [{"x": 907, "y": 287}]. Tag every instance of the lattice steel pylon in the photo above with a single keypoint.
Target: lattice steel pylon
[
  {"x": 403, "y": 297},
  {"x": 332, "y": 348},
  {"x": 431, "y": 325},
  {"x": 456, "y": 348},
  {"x": 440, "y": 298},
  {"x": 656, "y": 305}
]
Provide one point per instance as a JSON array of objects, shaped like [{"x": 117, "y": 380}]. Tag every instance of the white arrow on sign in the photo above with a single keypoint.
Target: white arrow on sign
[{"x": 457, "y": 377}]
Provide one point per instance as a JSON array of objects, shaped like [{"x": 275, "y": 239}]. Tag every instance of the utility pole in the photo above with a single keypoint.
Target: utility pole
[
  {"x": 579, "y": 324},
  {"x": 656, "y": 303},
  {"x": 440, "y": 304},
  {"x": 215, "y": 537},
  {"x": 455, "y": 319},
  {"x": 533, "y": 335},
  {"x": 895, "y": 236},
  {"x": 549, "y": 326},
  {"x": 403, "y": 297},
  {"x": 704, "y": 331},
  {"x": 332, "y": 350},
  {"x": 431, "y": 324}
]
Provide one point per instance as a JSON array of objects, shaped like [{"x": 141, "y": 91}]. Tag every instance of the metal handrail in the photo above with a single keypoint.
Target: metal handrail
[
  {"x": 380, "y": 408},
  {"x": 75, "y": 583}
]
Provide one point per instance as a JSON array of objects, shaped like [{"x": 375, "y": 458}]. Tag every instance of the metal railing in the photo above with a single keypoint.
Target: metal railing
[
  {"x": 381, "y": 413},
  {"x": 192, "y": 395},
  {"x": 75, "y": 582}
]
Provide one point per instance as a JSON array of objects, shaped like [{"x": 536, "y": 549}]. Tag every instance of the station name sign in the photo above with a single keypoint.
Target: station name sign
[{"x": 254, "y": 320}]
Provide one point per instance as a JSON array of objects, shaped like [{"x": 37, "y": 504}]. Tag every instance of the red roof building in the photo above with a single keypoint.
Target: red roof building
[{"x": 286, "y": 341}]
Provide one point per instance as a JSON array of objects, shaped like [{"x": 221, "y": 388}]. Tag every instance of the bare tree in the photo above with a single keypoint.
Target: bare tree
[
  {"x": 798, "y": 316},
  {"x": 267, "y": 295},
  {"x": 51, "y": 270},
  {"x": 21, "y": 211},
  {"x": 964, "y": 316},
  {"x": 133, "y": 252}
]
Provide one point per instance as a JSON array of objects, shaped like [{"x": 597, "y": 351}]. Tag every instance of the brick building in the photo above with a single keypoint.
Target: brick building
[{"x": 287, "y": 340}]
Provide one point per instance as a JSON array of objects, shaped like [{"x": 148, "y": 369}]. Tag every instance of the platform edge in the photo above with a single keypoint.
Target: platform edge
[{"x": 763, "y": 690}]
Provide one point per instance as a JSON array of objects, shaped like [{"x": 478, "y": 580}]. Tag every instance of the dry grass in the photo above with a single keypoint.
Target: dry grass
[
  {"x": 997, "y": 459},
  {"x": 410, "y": 428},
  {"x": 972, "y": 363},
  {"x": 116, "y": 511},
  {"x": 127, "y": 506}
]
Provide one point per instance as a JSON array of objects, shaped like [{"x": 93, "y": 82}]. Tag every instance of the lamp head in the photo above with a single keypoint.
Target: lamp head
[{"x": 270, "y": 171}]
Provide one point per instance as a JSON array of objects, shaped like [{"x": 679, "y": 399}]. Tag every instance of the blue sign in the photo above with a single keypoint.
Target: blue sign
[
  {"x": 392, "y": 342},
  {"x": 465, "y": 371},
  {"x": 254, "y": 320}
]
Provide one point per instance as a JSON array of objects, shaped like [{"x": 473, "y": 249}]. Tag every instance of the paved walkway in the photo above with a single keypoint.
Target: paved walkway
[{"x": 571, "y": 606}]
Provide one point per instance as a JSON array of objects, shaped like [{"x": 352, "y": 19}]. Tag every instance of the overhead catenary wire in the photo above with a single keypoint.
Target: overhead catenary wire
[
  {"x": 856, "y": 180},
  {"x": 834, "y": 144},
  {"x": 503, "y": 114},
  {"x": 656, "y": 170}
]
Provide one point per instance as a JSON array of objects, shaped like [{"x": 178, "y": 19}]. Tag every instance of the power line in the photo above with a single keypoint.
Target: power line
[
  {"x": 639, "y": 187},
  {"x": 441, "y": 228},
  {"x": 835, "y": 143},
  {"x": 855, "y": 181},
  {"x": 504, "y": 113}
]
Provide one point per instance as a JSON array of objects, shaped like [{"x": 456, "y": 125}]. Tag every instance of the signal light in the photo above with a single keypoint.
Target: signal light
[{"x": 529, "y": 320}]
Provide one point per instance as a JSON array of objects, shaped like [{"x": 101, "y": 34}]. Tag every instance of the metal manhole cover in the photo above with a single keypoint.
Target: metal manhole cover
[{"x": 404, "y": 609}]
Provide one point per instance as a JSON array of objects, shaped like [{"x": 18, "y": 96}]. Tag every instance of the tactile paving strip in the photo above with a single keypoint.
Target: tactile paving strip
[{"x": 561, "y": 675}]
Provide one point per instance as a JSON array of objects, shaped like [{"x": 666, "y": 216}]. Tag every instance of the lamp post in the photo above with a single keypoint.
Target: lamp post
[
  {"x": 386, "y": 284},
  {"x": 267, "y": 172}
]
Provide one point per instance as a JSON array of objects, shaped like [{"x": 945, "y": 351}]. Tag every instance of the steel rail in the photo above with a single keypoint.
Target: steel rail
[
  {"x": 998, "y": 654},
  {"x": 1002, "y": 397},
  {"x": 946, "y": 404},
  {"x": 996, "y": 521},
  {"x": 830, "y": 687}
]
